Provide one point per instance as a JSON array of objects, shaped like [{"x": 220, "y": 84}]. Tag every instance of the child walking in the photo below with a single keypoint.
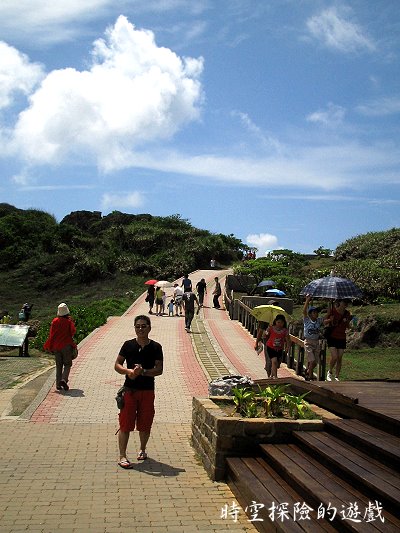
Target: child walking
[
  {"x": 312, "y": 324},
  {"x": 171, "y": 306},
  {"x": 277, "y": 340}
]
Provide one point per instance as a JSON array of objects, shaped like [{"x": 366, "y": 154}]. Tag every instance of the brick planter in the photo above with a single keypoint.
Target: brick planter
[{"x": 216, "y": 435}]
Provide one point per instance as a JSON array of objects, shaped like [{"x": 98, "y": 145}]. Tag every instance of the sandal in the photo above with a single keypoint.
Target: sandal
[
  {"x": 141, "y": 456},
  {"x": 125, "y": 463}
]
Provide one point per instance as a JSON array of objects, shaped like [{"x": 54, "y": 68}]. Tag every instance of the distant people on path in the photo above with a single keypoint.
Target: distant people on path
[
  {"x": 312, "y": 325},
  {"x": 144, "y": 361},
  {"x": 201, "y": 288},
  {"x": 213, "y": 263},
  {"x": 277, "y": 340},
  {"x": 150, "y": 297},
  {"x": 159, "y": 301},
  {"x": 62, "y": 344},
  {"x": 186, "y": 283},
  {"x": 189, "y": 299},
  {"x": 338, "y": 318},
  {"x": 178, "y": 293},
  {"x": 216, "y": 294}
]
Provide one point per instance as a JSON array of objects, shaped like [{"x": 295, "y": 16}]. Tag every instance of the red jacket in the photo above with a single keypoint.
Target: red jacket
[{"x": 62, "y": 330}]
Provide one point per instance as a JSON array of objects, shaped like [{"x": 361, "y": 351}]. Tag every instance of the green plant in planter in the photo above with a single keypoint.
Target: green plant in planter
[
  {"x": 252, "y": 410},
  {"x": 297, "y": 406},
  {"x": 242, "y": 398},
  {"x": 274, "y": 399}
]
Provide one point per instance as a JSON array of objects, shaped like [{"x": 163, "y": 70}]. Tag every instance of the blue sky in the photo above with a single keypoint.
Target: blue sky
[{"x": 274, "y": 120}]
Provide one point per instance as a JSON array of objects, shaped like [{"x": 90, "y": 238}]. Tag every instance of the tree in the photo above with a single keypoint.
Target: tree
[{"x": 323, "y": 252}]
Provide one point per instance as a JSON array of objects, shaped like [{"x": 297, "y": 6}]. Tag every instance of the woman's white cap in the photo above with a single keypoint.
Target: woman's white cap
[{"x": 62, "y": 310}]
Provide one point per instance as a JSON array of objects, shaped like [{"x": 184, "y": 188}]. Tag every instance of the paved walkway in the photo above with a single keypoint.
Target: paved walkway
[{"x": 58, "y": 464}]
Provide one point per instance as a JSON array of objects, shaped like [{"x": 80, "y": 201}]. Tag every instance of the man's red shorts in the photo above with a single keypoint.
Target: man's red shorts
[{"x": 138, "y": 411}]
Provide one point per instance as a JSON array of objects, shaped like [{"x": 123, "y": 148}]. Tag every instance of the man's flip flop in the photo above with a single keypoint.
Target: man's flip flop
[
  {"x": 142, "y": 456},
  {"x": 125, "y": 464}
]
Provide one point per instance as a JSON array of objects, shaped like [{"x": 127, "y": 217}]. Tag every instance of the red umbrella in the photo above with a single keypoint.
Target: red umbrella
[{"x": 150, "y": 282}]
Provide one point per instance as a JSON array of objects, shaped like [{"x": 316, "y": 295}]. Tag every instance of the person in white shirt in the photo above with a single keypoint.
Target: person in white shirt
[
  {"x": 312, "y": 324},
  {"x": 178, "y": 293}
]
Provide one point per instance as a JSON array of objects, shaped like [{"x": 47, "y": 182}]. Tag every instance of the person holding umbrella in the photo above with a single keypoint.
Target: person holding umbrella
[
  {"x": 151, "y": 291},
  {"x": 338, "y": 319}
]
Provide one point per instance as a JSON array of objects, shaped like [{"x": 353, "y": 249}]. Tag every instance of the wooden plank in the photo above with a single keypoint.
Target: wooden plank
[
  {"x": 281, "y": 492},
  {"x": 363, "y": 470},
  {"x": 308, "y": 479},
  {"x": 325, "y": 488},
  {"x": 382, "y": 445},
  {"x": 252, "y": 489},
  {"x": 357, "y": 496},
  {"x": 369, "y": 430}
]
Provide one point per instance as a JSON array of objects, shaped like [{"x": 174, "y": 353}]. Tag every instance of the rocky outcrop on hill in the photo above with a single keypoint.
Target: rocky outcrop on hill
[{"x": 370, "y": 332}]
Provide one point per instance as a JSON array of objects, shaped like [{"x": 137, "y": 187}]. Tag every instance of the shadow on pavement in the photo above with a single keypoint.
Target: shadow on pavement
[
  {"x": 157, "y": 469},
  {"x": 74, "y": 393}
]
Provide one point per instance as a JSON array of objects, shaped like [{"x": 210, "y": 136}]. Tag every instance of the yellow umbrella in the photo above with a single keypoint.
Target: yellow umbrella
[{"x": 268, "y": 313}]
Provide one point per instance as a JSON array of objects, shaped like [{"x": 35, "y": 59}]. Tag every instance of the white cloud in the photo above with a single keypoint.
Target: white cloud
[
  {"x": 330, "y": 117},
  {"x": 325, "y": 167},
  {"x": 17, "y": 74},
  {"x": 47, "y": 21},
  {"x": 44, "y": 21},
  {"x": 335, "y": 32},
  {"x": 381, "y": 107},
  {"x": 134, "y": 93},
  {"x": 267, "y": 141},
  {"x": 264, "y": 242},
  {"x": 122, "y": 200}
]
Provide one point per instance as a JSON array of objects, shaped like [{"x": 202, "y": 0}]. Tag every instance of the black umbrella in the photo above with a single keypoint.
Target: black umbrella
[
  {"x": 332, "y": 287},
  {"x": 266, "y": 283}
]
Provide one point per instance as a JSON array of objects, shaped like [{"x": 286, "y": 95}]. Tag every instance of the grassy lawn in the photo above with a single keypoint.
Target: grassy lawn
[{"x": 371, "y": 363}]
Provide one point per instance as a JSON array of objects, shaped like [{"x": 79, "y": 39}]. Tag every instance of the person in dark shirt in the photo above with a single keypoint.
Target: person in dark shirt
[
  {"x": 144, "y": 361},
  {"x": 186, "y": 283},
  {"x": 189, "y": 299},
  {"x": 201, "y": 290}
]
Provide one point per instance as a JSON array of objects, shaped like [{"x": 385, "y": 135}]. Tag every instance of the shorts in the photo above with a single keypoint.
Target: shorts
[
  {"x": 275, "y": 353},
  {"x": 340, "y": 344},
  {"x": 159, "y": 301},
  {"x": 138, "y": 411},
  {"x": 312, "y": 349}
]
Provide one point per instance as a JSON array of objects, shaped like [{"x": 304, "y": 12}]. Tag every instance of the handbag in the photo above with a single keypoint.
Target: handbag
[
  {"x": 74, "y": 353},
  {"x": 327, "y": 331}
]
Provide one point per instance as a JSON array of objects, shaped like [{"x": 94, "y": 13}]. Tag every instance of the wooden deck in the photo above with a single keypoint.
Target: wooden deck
[
  {"x": 375, "y": 402},
  {"x": 355, "y": 459},
  {"x": 382, "y": 397}
]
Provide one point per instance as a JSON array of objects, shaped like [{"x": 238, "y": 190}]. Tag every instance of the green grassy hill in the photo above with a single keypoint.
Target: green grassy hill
[{"x": 89, "y": 257}]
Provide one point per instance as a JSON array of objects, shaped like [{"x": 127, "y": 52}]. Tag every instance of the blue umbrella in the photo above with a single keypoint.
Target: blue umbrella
[
  {"x": 274, "y": 292},
  {"x": 266, "y": 283}
]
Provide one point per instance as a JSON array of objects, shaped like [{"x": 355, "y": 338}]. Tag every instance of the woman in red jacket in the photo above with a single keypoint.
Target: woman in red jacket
[{"x": 62, "y": 344}]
